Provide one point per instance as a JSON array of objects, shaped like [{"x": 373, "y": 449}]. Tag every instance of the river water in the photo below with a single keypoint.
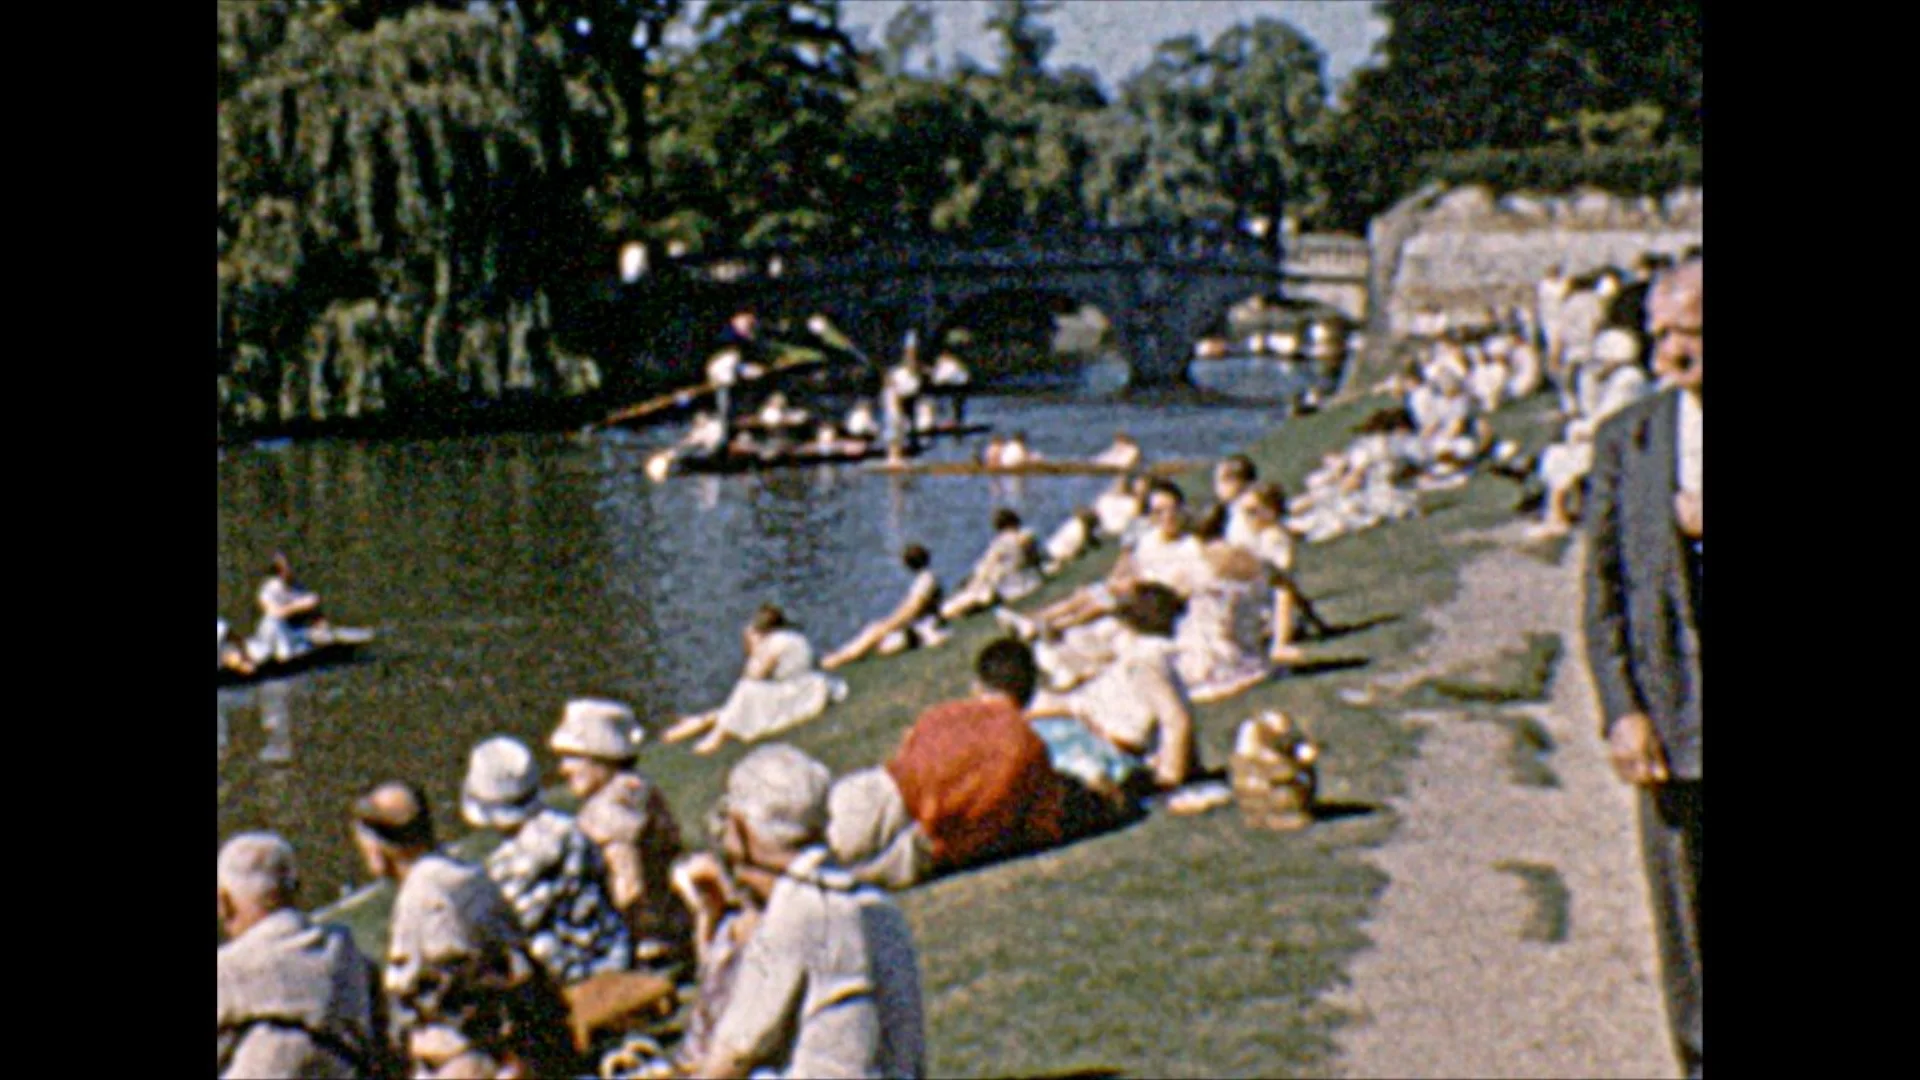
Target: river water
[{"x": 505, "y": 575}]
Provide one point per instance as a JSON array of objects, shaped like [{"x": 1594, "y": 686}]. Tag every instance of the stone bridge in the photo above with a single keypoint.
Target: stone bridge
[{"x": 1160, "y": 289}]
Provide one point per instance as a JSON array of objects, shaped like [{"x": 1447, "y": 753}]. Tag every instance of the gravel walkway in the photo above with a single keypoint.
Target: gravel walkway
[{"x": 1452, "y": 988}]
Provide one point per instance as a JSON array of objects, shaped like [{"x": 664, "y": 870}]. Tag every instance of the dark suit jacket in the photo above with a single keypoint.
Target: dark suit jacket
[{"x": 1643, "y": 629}]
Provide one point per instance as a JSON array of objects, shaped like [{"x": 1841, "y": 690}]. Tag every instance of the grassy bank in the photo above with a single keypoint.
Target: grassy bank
[{"x": 1179, "y": 946}]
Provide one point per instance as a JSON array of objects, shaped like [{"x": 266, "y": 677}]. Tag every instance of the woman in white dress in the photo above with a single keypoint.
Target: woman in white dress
[
  {"x": 288, "y": 615},
  {"x": 1610, "y": 383},
  {"x": 914, "y": 624},
  {"x": 1220, "y": 641},
  {"x": 779, "y": 690}
]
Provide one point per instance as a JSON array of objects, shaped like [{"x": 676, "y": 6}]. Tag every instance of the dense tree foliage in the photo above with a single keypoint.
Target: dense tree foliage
[{"x": 412, "y": 191}]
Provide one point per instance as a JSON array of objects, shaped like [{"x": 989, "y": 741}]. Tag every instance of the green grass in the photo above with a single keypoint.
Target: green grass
[
  {"x": 1548, "y": 921},
  {"x": 1179, "y": 946}
]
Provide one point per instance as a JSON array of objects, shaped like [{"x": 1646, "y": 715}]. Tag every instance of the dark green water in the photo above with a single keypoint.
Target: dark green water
[{"x": 506, "y": 575}]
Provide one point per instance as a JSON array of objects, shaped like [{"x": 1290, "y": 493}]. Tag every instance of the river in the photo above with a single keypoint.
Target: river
[{"x": 505, "y": 575}]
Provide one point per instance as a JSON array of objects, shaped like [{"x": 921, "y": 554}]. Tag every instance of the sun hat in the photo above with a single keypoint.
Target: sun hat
[
  {"x": 599, "y": 729},
  {"x": 781, "y": 793},
  {"x": 502, "y": 789}
]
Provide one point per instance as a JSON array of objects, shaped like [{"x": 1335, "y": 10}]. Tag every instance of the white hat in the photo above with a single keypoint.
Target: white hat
[
  {"x": 598, "y": 729},
  {"x": 1613, "y": 347},
  {"x": 781, "y": 793},
  {"x": 503, "y": 786}
]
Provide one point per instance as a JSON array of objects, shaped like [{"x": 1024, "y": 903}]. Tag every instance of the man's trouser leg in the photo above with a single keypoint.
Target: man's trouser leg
[{"x": 1670, "y": 840}]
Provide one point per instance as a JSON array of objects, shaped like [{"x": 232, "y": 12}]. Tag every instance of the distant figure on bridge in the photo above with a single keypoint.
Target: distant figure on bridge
[
  {"x": 742, "y": 358},
  {"x": 951, "y": 377}
]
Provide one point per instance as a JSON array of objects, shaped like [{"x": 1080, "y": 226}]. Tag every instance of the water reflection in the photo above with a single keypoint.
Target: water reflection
[{"x": 505, "y": 576}]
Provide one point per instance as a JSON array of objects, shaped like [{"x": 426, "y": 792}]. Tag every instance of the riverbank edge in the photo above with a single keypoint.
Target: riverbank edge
[{"x": 1308, "y": 893}]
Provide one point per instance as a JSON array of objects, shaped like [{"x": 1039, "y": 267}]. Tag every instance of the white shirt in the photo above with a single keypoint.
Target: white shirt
[
  {"x": 1691, "y": 447},
  {"x": 724, "y": 368},
  {"x": 947, "y": 371},
  {"x": 1174, "y": 563}
]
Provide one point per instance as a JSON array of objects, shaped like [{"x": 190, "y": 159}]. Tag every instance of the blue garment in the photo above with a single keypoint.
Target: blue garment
[{"x": 1077, "y": 752}]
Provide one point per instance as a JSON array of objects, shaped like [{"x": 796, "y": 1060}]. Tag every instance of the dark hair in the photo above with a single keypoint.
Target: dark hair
[
  {"x": 1160, "y": 486},
  {"x": 1240, "y": 467},
  {"x": 279, "y": 565},
  {"x": 916, "y": 557},
  {"x": 1152, "y": 609},
  {"x": 768, "y": 618},
  {"x": 1212, "y": 524},
  {"x": 1272, "y": 496},
  {"x": 1007, "y": 666},
  {"x": 395, "y": 811},
  {"x": 1004, "y": 519},
  {"x": 1385, "y": 422}
]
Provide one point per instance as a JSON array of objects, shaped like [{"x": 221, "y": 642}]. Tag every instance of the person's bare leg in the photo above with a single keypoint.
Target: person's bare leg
[
  {"x": 715, "y": 739},
  {"x": 690, "y": 726},
  {"x": 1284, "y": 651},
  {"x": 860, "y": 646}
]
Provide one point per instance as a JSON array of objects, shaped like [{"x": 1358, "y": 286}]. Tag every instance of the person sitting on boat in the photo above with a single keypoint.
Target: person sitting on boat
[
  {"x": 1070, "y": 541},
  {"x": 915, "y": 623},
  {"x": 742, "y": 357},
  {"x": 860, "y": 422},
  {"x": 1123, "y": 454},
  {"x": 778, "y": 415},
  {"x": 1284, "y": 343},
  {"x": 289, "y": 615},
  {"x": 707, "y": 435},
  {"x": 1016, "y": 453},
  {"x": 627, "y": 816},
  {"x": 993, "y": 455},
  {"x": 901, "y": 396},
  {"x": 232, "y": 656},
  {"x": 550, "y": 874},
  {"x": 1133, "y": 723},
  {"x": 779, "y": 689},
  {"x": 1008, "y": 570},
  {"x": 951, "y": 377},
  {"x": 829, "y": 443}
]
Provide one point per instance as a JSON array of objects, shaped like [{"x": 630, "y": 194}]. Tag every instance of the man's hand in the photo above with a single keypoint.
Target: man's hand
[
  {"x": 1638, "y": 757},
  {"x": 1687, "y": 509}
]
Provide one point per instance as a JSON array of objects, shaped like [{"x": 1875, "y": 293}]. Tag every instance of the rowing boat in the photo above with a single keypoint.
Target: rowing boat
[
  {"x": 1032, "y": 468},
  {"x": 330, "y": 645}
]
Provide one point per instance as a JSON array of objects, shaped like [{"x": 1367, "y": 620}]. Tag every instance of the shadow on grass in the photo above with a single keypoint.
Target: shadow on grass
[
  {"x": 1340, "y": 630},
  {"x": 1322, "y": 667},
  {"x": 1339, "y": 811},
  {"x": 1097, "y": 1073}
]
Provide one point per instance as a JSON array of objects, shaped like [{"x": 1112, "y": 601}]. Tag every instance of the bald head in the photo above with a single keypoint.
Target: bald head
[
  {"x": 255, "y": 869},
  {"x": 1675, "y": 306},
  {"x": 396, "y": 812}
]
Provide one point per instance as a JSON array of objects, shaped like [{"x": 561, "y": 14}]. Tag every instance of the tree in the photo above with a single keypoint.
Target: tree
[
  {"x": 753, "y": 146},
  {"x": 1506, "y": 74},
  {"x": 394, "y": 205}
]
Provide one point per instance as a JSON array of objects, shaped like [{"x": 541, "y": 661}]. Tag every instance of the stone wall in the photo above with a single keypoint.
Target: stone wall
[{"x": 1464, "y": 248}]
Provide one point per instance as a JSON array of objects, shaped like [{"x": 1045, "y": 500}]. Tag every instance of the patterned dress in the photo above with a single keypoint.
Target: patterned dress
[{"x": 555, "y": 880}]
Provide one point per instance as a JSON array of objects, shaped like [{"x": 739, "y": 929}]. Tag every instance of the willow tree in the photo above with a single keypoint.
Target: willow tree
[{"x": 394, "y": 205}]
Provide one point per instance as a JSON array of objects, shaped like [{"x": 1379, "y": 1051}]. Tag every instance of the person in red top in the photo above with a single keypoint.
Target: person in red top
[{"x": 970, "y": 783}]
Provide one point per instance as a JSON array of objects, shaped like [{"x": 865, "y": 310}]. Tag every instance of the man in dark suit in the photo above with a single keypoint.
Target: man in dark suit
[{"x": 1645, "y": 623}]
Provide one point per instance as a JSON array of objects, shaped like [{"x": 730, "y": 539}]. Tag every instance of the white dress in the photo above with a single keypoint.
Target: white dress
[
  {"x": 1220, "y": 639},
  {"x": 793, "y": 692},
  {"x": 276, "y": 638}
]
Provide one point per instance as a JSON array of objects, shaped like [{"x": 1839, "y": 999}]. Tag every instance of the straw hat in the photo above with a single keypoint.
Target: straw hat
[
  {"x": 598, "y": 729},
  {"x": 503, "y": 785},
  {"x": 1615, "y": 347}
]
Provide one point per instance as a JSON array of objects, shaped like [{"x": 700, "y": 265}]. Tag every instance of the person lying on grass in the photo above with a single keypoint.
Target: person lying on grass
[
  {"x": 1163, "y": 554},
  {"x": 1131, "y": 726},
  {"x": 970, "y": 783},
  {"x": 915, "y": 623}
]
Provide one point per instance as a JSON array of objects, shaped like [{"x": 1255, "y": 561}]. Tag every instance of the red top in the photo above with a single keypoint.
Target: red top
[{"x": 979, "y": 783}]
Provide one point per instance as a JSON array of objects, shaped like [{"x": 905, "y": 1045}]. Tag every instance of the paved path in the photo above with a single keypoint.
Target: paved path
[{"x": 1451, "y": 988}]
